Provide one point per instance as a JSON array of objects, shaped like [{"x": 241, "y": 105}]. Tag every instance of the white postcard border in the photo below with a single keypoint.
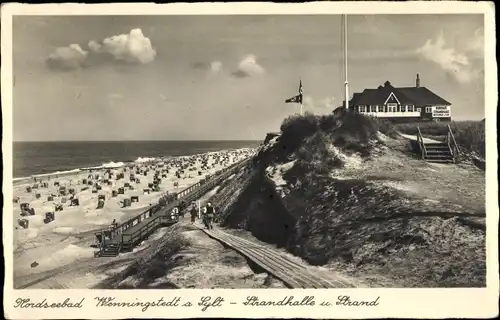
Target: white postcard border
[{"x": 415, "y": 303}]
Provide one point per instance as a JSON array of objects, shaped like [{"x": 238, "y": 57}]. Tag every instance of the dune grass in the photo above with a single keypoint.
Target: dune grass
[{"x": 373, "y": 210}]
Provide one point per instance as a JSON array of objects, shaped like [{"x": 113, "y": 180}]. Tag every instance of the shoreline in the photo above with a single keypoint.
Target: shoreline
[{"x": 41, "y": 177}]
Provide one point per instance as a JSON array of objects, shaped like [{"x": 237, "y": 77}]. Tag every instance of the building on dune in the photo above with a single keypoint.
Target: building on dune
[{"x": 403, "y": 104}]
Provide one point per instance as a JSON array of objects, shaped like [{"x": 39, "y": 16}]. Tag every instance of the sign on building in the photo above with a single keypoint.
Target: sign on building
[{"x": 441, "y": 112}]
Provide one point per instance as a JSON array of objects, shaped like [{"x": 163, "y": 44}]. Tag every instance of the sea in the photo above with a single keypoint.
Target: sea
[{"x": 31, "y": 158}]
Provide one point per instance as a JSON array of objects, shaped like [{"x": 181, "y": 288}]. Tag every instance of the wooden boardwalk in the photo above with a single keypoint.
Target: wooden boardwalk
[
  {"x": 293, "y": 273},
  {"x": 131, "y": 232}
]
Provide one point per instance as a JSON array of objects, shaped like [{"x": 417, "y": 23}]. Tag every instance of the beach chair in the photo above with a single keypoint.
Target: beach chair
[
  {"x": 28, "y": 189},
  {"x": 121, "y": 191},
  {"x": 114, "y": 193},
  {"x": 26, "y": 210},
  {"x": 75, "y": 202},
  {"x": 100, "y": 204},
  {"x": 134, "y": 199},
  {"x": 127, "y": 203},
  {"x": 16, "y": 199},
  {"x": 37, "y": 196},
  {"x": 98, "y": 187},
  {"x": 49, "y": 217},
  {"x": 23, "y": 223},
  {"x": 59, "y": 207},
  {"x": 56, "y": 183},
  {"x": 146, "y": 190}
]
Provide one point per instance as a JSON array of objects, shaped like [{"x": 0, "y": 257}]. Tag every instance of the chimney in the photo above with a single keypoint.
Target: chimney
[{"x": 417, "y": 82}]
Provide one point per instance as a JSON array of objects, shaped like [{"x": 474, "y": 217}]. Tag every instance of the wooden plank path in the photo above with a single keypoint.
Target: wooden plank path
[
  {"x": 294, "y": 274},
  {"x": 129, "y": 233}
]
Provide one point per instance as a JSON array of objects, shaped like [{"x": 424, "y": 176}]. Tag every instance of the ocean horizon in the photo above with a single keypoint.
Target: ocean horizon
[{"x": 41, "y": 157}]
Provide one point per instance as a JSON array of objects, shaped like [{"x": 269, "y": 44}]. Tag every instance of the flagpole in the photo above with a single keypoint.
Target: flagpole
[
  {"x": 301, "y": 106},
  {"x": 345, "y": 64}
]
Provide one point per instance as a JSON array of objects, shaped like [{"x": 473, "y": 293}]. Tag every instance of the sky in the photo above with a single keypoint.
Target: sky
[{"x": 225, "y": 77}]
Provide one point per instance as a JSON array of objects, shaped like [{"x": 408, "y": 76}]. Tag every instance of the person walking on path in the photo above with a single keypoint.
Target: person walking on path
[
  {"x": 194, "y": 213},
  {"x": 209, "y": 215}
]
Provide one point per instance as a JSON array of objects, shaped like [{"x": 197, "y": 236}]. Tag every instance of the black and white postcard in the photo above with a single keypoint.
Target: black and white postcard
[{"x": 250, "y": 160}]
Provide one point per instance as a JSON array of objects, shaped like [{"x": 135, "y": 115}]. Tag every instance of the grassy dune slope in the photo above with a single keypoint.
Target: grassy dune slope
[
  {"x": 365, "y": 206},
  {"x": 470, "y": 135}
]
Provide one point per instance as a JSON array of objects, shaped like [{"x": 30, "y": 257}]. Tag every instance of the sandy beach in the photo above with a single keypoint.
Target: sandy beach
[{"x": 41, "y": 245}]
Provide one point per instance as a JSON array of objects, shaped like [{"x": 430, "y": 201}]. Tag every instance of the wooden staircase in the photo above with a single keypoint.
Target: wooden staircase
[
  {"x": 439, "y": 152},
  {"x": 110, "y": 249}
]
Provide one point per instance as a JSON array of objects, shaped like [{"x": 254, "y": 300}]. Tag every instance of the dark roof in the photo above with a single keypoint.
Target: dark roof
[
  {"x": 408, "y": 95},
  {"x": 423, "y": 96}
]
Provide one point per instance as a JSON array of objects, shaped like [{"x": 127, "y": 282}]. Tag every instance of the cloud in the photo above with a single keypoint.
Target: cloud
[
  {"x": 327, "y": 104},
  {"x": 449, "y": 59},
  {"x": 248, "y": 67},
  {"x": 70, "y": 57},
  {"x": 476, "y": 44},
  {"x": 115, "y": 96},
  {"x": 131, "y": 48},
  {"x": 214, "y": 66}
]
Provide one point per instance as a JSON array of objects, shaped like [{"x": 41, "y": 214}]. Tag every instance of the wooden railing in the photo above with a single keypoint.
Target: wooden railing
[
  {"x": 452, "y": 145},
  {"x": 421, "y": 144},
  {"x": 187, "y": 195}
]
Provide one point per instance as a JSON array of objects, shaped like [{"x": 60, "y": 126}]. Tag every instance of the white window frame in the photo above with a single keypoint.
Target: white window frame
[
  {"x": 410, "y": 108},
  {"x": 419, "y": 109},
  {"x": 403, "y": 108},
  {"x": 389, "y": 97},
  {"x": 392, "y": 107},
  {"x": 361, "y": 109},
  {"x": 428, "y": 109},
  {"x": 379, "y": 108}
]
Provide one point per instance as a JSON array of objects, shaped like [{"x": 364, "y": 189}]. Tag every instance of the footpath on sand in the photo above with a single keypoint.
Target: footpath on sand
[{"x": 206, "y": 264}]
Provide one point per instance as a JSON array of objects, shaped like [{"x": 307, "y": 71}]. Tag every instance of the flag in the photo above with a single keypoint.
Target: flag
[{"x": 297, "y": 98}]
